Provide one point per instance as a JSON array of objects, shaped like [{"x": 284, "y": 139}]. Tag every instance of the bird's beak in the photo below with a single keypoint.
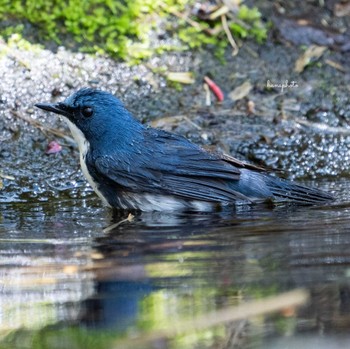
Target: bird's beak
[{"x": 58, "y": 108}]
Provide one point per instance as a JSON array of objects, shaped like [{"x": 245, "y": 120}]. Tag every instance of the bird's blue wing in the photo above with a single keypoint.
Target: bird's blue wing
[{"x": 169, "y": 164}]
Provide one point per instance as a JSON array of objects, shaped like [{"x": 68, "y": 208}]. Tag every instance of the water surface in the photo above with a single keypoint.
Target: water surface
[{"x": 68, "y": 282}]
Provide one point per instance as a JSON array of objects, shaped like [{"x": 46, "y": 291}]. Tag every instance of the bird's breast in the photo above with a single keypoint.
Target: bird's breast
[
  {"x": 84, "y": 147},
  {"x": 94, "y": 185}
]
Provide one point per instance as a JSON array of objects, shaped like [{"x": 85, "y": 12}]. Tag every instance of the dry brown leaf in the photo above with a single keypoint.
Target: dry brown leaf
[
  {"x": 241, "y": 91},
  {"x": 335, "y": 65},
  {"x": 313, "y": 52},
  {"x": 342, "y": 9}
]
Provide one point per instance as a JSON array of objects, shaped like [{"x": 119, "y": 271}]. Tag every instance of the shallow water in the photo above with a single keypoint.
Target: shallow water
[{"x": 68, "y": 282}]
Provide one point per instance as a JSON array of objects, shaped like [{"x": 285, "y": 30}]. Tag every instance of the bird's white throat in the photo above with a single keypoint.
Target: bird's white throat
[
  {"x": 79, "y": 137},
  {"x": 84, "y": 146}
]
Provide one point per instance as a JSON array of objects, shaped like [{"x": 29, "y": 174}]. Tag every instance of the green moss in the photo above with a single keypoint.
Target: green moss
[
  {"x": 250, "y": 24},
  {"x": 120, "y": 28}
]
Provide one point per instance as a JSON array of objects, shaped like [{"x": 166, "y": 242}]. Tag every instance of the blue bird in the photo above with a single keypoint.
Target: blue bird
[{"x": 135, "y": 167}]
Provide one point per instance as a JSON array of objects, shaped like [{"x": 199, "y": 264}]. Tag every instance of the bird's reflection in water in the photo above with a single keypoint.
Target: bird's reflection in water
[{"x": 134, "y": 242}]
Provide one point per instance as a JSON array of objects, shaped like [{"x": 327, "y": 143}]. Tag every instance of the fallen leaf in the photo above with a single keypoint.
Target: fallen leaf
[
  {"x": 312, "y": 53},
  {"x": 214, "y": 88},
  {"x": 241, "y": 91},
  {"x": 53, "y": 148},
  {"x": 181, "y": 77},
  {"x": 335, "y": 65},
  {"x": 342, "y": 9}
]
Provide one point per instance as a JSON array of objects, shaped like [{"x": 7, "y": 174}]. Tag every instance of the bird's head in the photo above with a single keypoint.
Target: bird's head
[{"x": 95, "y": 116}]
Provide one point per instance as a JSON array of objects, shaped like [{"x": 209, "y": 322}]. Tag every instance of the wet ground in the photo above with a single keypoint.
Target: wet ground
[{"x": 67, "y": 282}]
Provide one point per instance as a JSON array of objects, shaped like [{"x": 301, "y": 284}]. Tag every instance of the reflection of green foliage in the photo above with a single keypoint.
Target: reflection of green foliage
[
  {"x": 258, "y": 291},
  {"x": 73, "y": 337},
  {"x": 284, "y": 325},
  {"x": 121, "y": 28},
  {"x": 164, "y": 310},
  {"x": 160, "y": 310},
  {"x": 200, "y": 339}
]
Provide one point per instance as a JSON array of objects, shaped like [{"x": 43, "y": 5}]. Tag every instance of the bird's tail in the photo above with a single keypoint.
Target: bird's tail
[
  {"x": 286, "y": 191},
  {"x": 262, "y": 186}
]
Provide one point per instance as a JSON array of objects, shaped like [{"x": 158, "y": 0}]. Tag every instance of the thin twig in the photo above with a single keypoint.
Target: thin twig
[
  {"x": 4, "y": 176},
  {"x": 321, "y": 126},
  {"x": 160, "y": 123},
  {"x": 43, "y": 128},
  {"x": 129, "y": 218},
  {"x": 207, "y": 95},
  {"x": 230, "y": 38},
  {"x": 187, "y": 20}
]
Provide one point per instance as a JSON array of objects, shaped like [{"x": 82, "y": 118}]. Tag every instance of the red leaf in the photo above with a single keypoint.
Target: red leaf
[
  {"x": 215, "y": 89},
  {"x": 53, "y": 148}
]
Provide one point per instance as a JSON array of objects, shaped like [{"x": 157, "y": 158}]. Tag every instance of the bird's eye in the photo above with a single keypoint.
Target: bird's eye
[{"x": 87, "y": 112}]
